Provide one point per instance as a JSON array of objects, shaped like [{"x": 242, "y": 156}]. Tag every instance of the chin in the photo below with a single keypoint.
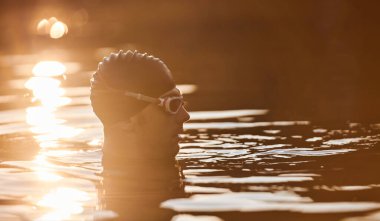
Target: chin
[
  {"x": 175, "y": 141},
  {"x": 172, "y": 147}
]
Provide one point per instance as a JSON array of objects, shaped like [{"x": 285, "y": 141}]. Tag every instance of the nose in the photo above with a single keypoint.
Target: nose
[{"x": 183, "y": 115}]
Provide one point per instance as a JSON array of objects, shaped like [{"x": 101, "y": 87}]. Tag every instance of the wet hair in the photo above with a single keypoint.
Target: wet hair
[{"x": 127, "y": 71}]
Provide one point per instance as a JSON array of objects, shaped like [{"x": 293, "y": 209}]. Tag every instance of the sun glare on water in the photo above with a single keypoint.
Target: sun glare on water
[
  {"x": 45, "y": 86},
  {"x": 44, "y": 171},
  {"x": 49, "y": 69},
  {"x": 63, "y": 202}
]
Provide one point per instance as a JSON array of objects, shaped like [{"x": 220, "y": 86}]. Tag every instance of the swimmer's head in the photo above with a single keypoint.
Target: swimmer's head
[
  {"x": 135, "y": 93},
  {"x": 127, "y": 71}
]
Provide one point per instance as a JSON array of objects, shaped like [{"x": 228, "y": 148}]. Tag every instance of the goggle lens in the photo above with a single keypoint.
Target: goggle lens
[{"x": 173, "y": 104}]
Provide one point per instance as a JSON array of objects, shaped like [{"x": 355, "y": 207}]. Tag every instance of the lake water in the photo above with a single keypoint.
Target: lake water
[{"x": 236, "y": 164}]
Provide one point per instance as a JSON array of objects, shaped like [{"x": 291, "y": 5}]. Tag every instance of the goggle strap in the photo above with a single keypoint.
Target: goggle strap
[
  {"x": 163, "y": 102},
  {"x": 143, "y": 97}
]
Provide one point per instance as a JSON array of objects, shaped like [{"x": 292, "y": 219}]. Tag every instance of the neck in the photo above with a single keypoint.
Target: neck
[
  {"x": 122, "y": 147},
  {"x": 133, "y": 179}
]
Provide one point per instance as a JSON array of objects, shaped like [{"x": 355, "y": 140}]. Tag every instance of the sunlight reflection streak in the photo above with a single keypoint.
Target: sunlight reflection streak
[
  {"x": 48, "y": 92},
  {"x": 65, "y": 202}
]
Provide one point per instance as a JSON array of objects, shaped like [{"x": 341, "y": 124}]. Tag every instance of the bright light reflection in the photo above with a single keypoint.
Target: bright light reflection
[
  {"x": 52, "y": 27},
  {"x": 43, "y": 26},
  {"x": 187, "y": 88},
  {"x": 49, "y": 143},
  {"x": 43, "y": 170},
  {"x": 55, "y": 132},
  {"x": 62, "y": 202},
  {"x": 58, "y": 29},
  {"x": 48, "y": 92},
  {"x": 52, "y": 20},
  {"x": 47, "y": 127},
  {"x": 48, "y": 176},
  {"x": 65, "y": 202},
  {"x": 49, "y": 69},
  {"x": 41, "y": 117},
  {"x": 95, "y": 142}
]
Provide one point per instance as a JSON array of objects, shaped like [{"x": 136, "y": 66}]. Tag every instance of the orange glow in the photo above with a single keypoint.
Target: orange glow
[
  {"x": 58, "y": 29},
  {"x": 52, "y": 27},
  {"x": 43, "y": 27},
  {"x": 41, "y": 116},
  {"x": 47, "y": 127},
  {"x": 187, "y": 88},
  {"x": 48, "y": 92},
  {"x": 52, "y": 20},
  {"x": 48, "y": 176},
  {"x": 95, "y": 142},
  {"x": 55, "y": 132},
  {"x": 45, "y": 89},
  {"x": 64, "y": 203},
  {"x": 49, "y": 69},
  {"x": 43, "y": 171}
]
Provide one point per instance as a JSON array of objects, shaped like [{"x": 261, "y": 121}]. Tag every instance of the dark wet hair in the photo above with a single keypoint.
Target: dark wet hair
[{"x": 127, "y": 71}]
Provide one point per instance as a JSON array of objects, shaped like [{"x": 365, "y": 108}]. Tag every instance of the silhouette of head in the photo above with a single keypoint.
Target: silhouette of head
[{"x": 118, "y": 89}]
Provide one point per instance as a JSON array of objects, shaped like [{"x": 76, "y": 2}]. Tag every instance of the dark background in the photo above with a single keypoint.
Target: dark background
[{"x": 301, "y": 59}]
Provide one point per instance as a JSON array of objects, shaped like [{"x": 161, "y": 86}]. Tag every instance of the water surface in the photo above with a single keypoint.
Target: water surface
[{"x": 236, "y": 164}]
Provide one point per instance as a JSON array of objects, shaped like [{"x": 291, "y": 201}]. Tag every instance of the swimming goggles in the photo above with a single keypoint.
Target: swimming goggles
[{"x": 171, "y": 104}]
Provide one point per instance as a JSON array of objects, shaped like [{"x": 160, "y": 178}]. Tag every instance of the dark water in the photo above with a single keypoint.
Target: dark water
[
  {"x": 235, "y": 164},
  {"x": 280, "y": 170}
]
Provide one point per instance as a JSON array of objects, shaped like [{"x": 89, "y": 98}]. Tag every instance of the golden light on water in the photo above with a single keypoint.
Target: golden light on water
[
  {"x": 52, "y": 27},
  {"x": 60, "y": 202},
  {"x": 43, "y": 170},
  {"x": 48, "y": 176},
  {"x": 64, "y": 203},
  {"x": 49, "y": 69},
  {"x": 47, "y": 127},
  {"x": 95, "y": 142},
  {"x": 41, "y": 116},
  {"x": 46, "y": 89},
  {"x": 48, "y": 92},
  {"x": 55, "y": 132}
]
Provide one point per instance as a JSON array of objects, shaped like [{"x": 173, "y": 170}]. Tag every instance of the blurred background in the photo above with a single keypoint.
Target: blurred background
[{"x": 301, "y": 59}]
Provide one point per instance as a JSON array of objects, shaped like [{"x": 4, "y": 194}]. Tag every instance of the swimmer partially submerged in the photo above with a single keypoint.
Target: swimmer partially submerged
[
  {"x": 136, "y": 99},
  {"x": 142, "y": 113}
]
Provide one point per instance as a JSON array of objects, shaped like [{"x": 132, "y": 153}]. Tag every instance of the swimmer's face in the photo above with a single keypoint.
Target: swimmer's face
[{"x": 158, "y": 128}]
